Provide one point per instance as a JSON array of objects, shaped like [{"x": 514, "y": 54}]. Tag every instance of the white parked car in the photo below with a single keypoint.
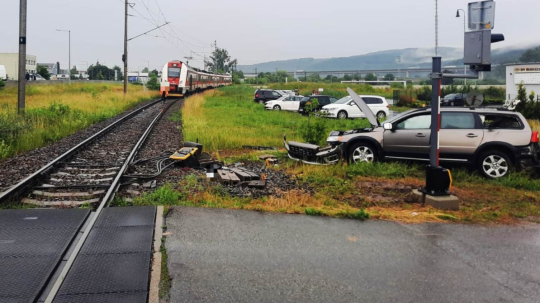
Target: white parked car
[
  {"x": 345, "y": 108},
  {"x": 290, "y": 102}
]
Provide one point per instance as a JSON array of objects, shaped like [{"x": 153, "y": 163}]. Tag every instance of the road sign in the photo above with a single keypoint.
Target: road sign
[{"x": 481, "y": 15}]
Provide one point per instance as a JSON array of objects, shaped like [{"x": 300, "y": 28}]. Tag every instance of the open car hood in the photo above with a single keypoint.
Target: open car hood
[{"x": 364, "y": 108}]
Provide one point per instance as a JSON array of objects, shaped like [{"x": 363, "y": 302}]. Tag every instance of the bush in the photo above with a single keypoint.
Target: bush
[
  {"x": 153, "y": 83},
  {"x": 2, "y": 84}
]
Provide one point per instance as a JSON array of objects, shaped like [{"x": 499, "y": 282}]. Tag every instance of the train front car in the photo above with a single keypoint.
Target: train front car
[{"x": 173, "y": 79}]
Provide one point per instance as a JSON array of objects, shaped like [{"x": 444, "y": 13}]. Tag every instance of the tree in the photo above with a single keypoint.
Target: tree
[
  {"x": 153, "y": 82},
  {"x": 100, "y": 76},
  {"x": 220, "y": 61},
  {"x": 522, "y": 97},
  {"x": 119, "y": 73},
  {"x": 2, "y": 84},
  {"x": 389, "y": 77},
  {"x": 154, "y": 72},
  {"x": 44, "y": 72},
  {"x": 531, "y": 55},
  {"x": 371, "y": 77},
  {"x": 73, "y": 72},
  {"x": 145, "y": 70}
]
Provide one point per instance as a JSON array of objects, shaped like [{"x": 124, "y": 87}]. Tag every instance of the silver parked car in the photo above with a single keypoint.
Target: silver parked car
[{"x": 493, "y": 140}]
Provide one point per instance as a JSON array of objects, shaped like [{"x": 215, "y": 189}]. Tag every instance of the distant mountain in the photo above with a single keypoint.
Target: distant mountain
[{"x": 410, "y": 57}]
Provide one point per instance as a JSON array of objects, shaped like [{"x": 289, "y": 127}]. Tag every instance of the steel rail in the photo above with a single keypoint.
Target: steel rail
[
  {"x": 104, "y": 203},
  {"x": 22, "y": 185}
]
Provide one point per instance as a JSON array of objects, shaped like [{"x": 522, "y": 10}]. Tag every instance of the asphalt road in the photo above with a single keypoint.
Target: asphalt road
[{"x": 242, "y": 256}]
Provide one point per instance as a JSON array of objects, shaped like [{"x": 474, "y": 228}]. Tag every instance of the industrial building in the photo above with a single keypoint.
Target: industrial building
[
  {"x": 526, "y": 73},
  {"x": 11, "y": 62}
]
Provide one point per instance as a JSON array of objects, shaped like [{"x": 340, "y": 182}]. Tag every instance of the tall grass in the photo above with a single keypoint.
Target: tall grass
[
  {"x": 228, "y": 118},
  {"x": 56, "y": 111}
]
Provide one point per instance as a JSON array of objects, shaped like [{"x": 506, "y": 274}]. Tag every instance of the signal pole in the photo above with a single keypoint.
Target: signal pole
[
  {"x": 22, "y": 58},
  {"x": 125, "y": 47}
]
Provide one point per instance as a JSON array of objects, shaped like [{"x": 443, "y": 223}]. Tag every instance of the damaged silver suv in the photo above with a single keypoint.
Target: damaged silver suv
[{"x": 493, "y": 140}]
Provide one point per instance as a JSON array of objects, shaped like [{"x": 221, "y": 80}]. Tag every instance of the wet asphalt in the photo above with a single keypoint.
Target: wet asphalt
[{"x": 217, "y": 255}]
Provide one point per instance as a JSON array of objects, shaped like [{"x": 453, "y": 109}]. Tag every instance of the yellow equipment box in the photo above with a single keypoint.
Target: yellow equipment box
[{"x": 184, "y": 153}]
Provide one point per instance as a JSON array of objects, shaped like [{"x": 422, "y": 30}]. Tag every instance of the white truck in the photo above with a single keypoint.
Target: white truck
[{"x": 3, "y": 74}]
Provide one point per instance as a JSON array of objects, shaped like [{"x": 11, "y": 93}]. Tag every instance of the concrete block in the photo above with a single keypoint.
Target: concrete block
[{"x": 439, "y": 202}]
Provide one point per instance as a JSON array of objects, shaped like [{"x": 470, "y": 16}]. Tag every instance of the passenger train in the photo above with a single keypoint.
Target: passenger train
[{"x": 179, "y": 79}]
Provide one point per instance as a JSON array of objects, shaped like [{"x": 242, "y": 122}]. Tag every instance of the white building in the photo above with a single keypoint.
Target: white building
[
  {"x": 526, "y": 73},
  {"x": 11, "y": 62}
]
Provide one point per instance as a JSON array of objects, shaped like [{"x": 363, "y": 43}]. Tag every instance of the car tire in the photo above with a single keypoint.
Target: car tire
[
  {"x": 362, "y": 152},
  {"x": 277, "y": 107},
  {"x": 342, "y": 115},
  {"x": 452, "y": 103},
  {"x": 381, "y": 115},
  {"x": 494, "y": 164}
]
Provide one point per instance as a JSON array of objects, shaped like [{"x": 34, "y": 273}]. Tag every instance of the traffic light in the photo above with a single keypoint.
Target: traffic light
[
  {"x": 123, "y": 58},
  {"x": 478, "y": 49},
  {"x": 478, "y": 40}
]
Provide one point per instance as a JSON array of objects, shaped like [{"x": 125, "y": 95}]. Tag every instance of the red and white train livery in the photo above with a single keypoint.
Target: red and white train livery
[{"x": 178, "y": 79}]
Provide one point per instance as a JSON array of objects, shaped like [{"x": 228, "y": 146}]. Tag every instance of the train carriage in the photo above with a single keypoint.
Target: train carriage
[{"x": 179, "y": 79}]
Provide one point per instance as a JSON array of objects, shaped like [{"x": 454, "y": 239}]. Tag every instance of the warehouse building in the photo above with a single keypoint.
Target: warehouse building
[
  {"x": 11, "y": 62},
  {"x": 526, "y": 73}
]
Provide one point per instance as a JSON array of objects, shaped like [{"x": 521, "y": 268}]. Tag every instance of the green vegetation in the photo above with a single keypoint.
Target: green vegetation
[
  {"x": 44, "y": 72},
  {"x": 417, "y": 97},
  {"x": 56, "y": 111},
  {"x": 337, "y": 90},
  {"x": 531, "y": 55}
]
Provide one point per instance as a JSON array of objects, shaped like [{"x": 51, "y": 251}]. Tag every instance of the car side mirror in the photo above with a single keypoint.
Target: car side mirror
[{"x": 388, "y": 126}]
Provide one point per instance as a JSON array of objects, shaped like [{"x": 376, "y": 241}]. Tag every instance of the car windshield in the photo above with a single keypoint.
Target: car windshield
[
  {"x": 306, "y": 99},
  {"x": 398, "y": 115},
  {"x": 343, "y": 100},
  {"x": 450, "y": 96}
]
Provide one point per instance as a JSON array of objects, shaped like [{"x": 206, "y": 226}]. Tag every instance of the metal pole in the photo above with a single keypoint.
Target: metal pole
[
  {"x": 125, "y": 47},
  {"x": 464, "y": 31},
  {"x": 436, "y": 78},
  {"x": 436, "y": 27},
  {"x": 22, "y": 58},
  {"x": 69, "y": 59}
]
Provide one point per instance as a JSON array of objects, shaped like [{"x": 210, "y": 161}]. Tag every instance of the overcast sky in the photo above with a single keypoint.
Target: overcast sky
[{"x": 251, "y": 30}]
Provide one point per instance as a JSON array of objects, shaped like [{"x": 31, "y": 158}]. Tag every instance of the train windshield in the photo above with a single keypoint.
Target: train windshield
[{"x": 174, "y": 72}]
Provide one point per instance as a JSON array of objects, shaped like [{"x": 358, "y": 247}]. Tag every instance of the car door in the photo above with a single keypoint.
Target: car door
[
  {"x": 293, "y": 103},
  {"x": 353, "y": 111},
  {"x": 460, "y": 135},
  {"x": 409, "y": 138}
]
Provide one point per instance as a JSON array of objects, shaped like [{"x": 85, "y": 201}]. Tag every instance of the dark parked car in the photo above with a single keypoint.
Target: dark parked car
[
  {"x": 263, "y": 95},
  {"x": 454, "y": 100},
  {"x": 323, "y": 100}
]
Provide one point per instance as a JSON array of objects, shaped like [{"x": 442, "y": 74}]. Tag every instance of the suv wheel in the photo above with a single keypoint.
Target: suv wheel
[
  {"x": 362, "y": 152},
  {"x": 277, "y": 107},
  {"x": 342, "y": 115},
  {"x": 494, "y": 164},
  {"x": 381, "y": 115}
]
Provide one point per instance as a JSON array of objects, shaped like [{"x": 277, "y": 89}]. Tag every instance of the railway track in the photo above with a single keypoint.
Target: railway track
[{"x": 89, "y": 174}]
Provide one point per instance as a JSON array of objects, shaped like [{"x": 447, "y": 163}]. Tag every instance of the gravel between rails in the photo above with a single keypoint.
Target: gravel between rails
[{"x": 14, "y": 169}]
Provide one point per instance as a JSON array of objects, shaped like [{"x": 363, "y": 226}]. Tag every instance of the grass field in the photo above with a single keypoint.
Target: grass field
[
  {"x": 57, "y": 111},
  {"x": 227, "y": 118}
]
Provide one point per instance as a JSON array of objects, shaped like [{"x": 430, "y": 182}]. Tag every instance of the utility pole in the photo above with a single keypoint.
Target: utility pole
[
  {"x": 22, "y": 57},
  {"x": 257, "y": 75},
  {"x": 125, "y": 57}
]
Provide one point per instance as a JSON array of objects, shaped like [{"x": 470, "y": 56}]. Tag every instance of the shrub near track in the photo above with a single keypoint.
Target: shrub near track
[{"x": 56, "y": 111}]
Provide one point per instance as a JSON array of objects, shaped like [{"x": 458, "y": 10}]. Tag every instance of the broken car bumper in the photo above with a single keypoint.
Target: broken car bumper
[{"x": 311, "y": 153}]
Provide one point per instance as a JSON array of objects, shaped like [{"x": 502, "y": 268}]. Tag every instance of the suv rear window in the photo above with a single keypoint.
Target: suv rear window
[
  {"x": 457, "y": 121},
  {"x": 493, "y": 121}
]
